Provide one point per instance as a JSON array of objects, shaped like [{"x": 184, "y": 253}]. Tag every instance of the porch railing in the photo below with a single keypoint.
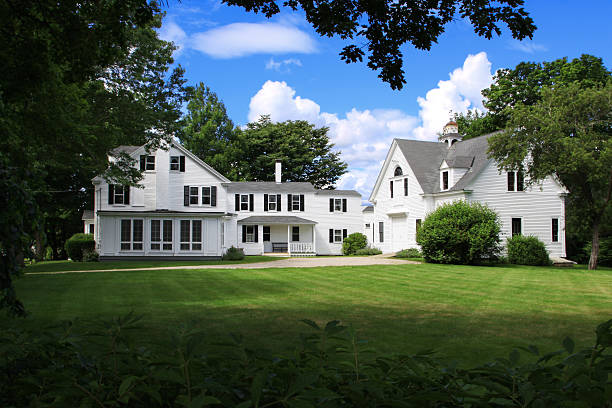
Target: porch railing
[{"x": 301, "y": 248}]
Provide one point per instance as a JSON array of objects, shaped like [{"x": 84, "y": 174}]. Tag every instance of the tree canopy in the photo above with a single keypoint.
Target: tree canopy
[
  {"x": 380, "y": 28},
  {"x": 568, "y": 134}
]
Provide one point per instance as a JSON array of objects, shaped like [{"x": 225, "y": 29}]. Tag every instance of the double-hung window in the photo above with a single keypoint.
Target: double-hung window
[
  {"x": 266, "y": 233},
  {"x": 337, "y": 235},
  {"x": 131, "y": 234},
  {"x": 118, "y": 194},
  {"x": 147, "y": 162},
  {"x": 244, "y": 202},
  {"x": 272, "y": 202},
  {"x": 175, "y": 162},
  {"x": 337, "y": 204},
  {"x": 250, "y": 233},
  {"x": 555, "y": 230},
  {"x": 193, "y": 195},
  {"x": 517, "y": 226},
  {"x": 161, "y": 235},
  {"x": 191, "y": 235},
  {"x": 295, "y": 202},
  {"x": 295, "y": 234},
  {"x": 516, "y": 181},
  {"x": 205, "y": 195}
]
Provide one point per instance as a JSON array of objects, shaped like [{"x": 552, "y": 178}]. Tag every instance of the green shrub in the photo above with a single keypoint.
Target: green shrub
[
  {"x": 409, "y": 253},
  {"x": 353, "y": 243},
  {"x": 78, "y": 243},
  {"x": 233, "y": 254},
  {"x": 90, "y": 256},
  {"x": 605, "y": 251},
  {"x": 527, "y": 250},
  {"x": 368, "y": 251},
  {"x": 63, "y": 366},
  {"x": 460, "y": 233}
]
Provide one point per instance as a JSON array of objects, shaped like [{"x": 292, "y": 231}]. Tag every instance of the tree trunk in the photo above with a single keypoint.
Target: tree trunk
[
  {"x": 39, "y": 252},
  {"x": 594, "y": 247}
]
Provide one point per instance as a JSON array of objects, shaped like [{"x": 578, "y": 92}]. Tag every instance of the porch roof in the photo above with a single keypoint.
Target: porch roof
[{"x": 272, "y": 219}]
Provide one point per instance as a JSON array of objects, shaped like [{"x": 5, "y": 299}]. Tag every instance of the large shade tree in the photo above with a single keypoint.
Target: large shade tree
[
  {"x": 568, "y": 134},
  {"x": 379, "y": 29}
]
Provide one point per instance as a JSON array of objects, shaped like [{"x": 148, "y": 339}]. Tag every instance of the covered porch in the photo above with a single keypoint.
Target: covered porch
[{"x": 284, "y": 235}]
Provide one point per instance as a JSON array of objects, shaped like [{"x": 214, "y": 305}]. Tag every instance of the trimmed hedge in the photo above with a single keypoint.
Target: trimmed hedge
[
  {"x": 527, "y": 250},
  {"x": 353, "y": 243},
  {"x": 460, "y": 233},
  {"x": 368, "y": 251},
  {"x": 233, "y": 254},
  {"x": 409, "y": 253},
  {"x": 78, "y": 244}
]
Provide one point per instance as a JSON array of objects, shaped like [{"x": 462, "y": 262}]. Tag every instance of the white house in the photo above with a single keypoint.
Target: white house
[
  {"x": 188, "y": 210},
  {"x": 418, "y": 176}
]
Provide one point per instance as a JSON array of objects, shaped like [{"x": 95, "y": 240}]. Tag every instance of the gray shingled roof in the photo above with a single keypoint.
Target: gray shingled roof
[
  {"x": 338, "y": 193},
  {"x": 274, "y": 219},
  {"x": 369, "y": 208},
  {"x": 124, "y": 149},
  {"x": 87, "y": 215},
  {"x": 425, "y": 159},
  {"x": 268, "y": 187}
]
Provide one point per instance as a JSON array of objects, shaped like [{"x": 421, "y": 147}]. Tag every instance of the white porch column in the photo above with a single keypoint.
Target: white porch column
[
  {"x": 289, "y": 239},
  {"x": 260, "y": 238},
  {"x": 314, "y": 239}
]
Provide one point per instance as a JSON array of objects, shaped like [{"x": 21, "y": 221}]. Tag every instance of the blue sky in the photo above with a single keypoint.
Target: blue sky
[{"x": 283, "y": 68}]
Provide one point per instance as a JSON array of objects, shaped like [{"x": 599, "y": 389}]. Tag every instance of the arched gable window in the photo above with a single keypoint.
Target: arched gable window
[{"x": 398, "y": 171}]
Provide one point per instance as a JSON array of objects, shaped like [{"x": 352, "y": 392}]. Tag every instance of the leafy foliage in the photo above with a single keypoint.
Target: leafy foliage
[
  {"x": 460, "y": 233},
  {"x": 233, "y": 254},
  {"x": 527, "y": 250},
  {"x": 78, "y": 244},
  {"x": 368, "y": 251},
  {"x": 567, "y": 134},
  {"x": 90, "y": 255},
  {"x": 473, "y": 124},
  {"x": 353, "y": 243},
  {"x": 331, "y": 367},
  {"x": 409, "y": 253},
  {"x": 383, "y": 27}
]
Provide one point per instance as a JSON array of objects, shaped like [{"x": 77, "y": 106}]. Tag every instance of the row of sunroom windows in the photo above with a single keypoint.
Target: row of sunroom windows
[{"x": 132, "y": 235}]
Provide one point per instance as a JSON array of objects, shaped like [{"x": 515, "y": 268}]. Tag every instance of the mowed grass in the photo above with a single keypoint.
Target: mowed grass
[
  {"x": 62, "y": 266},
  {"x": 470, "y": 314}
]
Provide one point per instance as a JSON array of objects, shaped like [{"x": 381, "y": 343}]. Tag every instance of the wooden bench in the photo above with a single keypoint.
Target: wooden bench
[{"x": 280, "y": 247}]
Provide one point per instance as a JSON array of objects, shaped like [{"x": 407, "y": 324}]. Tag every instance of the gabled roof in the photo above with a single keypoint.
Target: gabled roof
[
  {"x": 475, "y": 148},
  {"x": 368, "y": 208},
  {"x": 338, "y": 193},
  {"x": 275, "y": 219},
  {"x": 124, "y": 149},
  {"x": 268, "y": 187},
  {"x": 87, "y": 215}
]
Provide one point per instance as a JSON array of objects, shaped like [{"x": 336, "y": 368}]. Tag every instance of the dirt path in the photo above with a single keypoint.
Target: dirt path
[{"x": 306, "y": 262}]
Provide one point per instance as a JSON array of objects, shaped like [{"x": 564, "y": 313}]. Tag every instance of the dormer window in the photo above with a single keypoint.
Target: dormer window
[
  {"x": 398, "y": 171},
  {"x": 445, "y": 180}
]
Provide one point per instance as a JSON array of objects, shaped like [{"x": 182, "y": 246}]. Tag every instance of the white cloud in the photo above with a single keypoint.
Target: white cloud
[
  {"x": 364, "y": 136},
  {"x": 242, "y": 39},
  {"x": 528, "y": 47},
  {"x": 457, "y": 94},
  {"x": 282, "y": 66},
  {"x": 170, "y": 31}
]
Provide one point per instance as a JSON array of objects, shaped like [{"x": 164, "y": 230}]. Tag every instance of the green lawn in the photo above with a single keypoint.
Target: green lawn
[
  {"x": 61, "y": 266},
  {"x": 467, "y": 313}
]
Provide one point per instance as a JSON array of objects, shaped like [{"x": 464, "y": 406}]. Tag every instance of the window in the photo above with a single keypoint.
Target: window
[
  {"x": 205, "y": 195},
  {"x": 398, "y": 171},
  {"x": 266, "y": 233},
  {"x": 191, "y": 235},
  {"x": 555, "y": 230},
  {"x": 405, "y": 186},
  {"x": 193, "y": 195},
  {"x": 118, "y": 194},
  {"x": 381, "y": 232},
  {"x": 517, "y": 226},
  {"x": 175, "y": 163},
  {"x": 272, "y": 203},
  {"x": 295, "y": 202},
  {"x": 244, "y": 202},
  {"x": 91, "y": 228},
  {"x": 516, "y": 181},
  {"x": 147, "y": 162},
  {"x": 337, "y": 204},
  {"x": 337, "y": 235},
  {"x": 418, "y": 224},
  {"x": 391, "y": 188},
  {"x": 249, "y": 233},
  {"x": 131, "y": 235},
  {"x": 161, "y": 230},
  {"x": 445, "y": 180},
  {"x": 295, "y": 234}
]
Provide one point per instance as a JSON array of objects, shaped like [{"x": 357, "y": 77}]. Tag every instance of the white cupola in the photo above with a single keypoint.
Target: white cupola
[{"x": 450, "y": 133}]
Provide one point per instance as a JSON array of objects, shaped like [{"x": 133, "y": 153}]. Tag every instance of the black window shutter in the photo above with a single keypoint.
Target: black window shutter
[
  {"x": 182, "y": 164},
  {"x": 405, "y": 186},
  {"x": 237, "y": 202},
  {"x": 344, "y": 233},
  {"x": 256, "y": 228},
  {"x": 143, "y": 161},
  {"x": 213, "y": 196},
  {"x": 126, "y": 195},
  {"x": 251, "y": 202},
  {"x": 244, "y": 233},
  {"x": 278, "y": 202},
  {"x": 331, "y": 205},
  {"x": 111, "y": 194},
  {"x": 265, "y": 202},
  {"x": 289, "y": 203},
  {"x": 344, "y": 205},
  {"x": 331, "y": 235},
  {"x": 391, "y": 187},
  {"x": 186, "y": 196},
  {"x": 301, "y": 202}
]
